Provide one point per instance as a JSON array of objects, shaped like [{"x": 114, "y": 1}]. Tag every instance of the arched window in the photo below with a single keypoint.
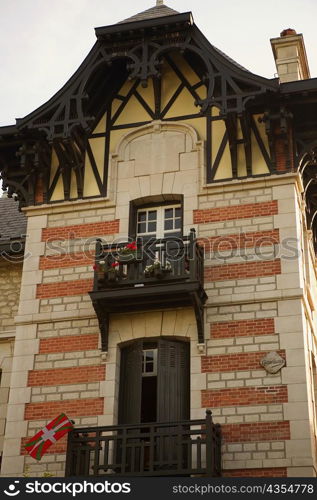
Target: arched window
[{"x": 156, "y": 217}]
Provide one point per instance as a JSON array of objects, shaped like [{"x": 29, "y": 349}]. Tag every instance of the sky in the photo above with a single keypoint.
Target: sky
[{"x": 42, "y": 42}]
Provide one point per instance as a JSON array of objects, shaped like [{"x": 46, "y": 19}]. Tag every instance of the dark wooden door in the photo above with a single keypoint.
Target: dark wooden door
[
  {"x": 130, "y": 384},
  {"x": 173, "y": 381},
  {"x": 172, "y": 405}
]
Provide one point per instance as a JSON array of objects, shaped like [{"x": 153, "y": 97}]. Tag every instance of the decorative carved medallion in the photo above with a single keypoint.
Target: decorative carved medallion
[{"x": 272, "y": 362}]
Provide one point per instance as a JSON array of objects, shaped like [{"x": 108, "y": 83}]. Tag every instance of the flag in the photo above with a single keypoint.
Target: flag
[{"x": 47, "y": 436}]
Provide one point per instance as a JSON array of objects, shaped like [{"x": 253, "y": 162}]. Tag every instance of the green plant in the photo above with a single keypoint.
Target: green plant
[{"x": 156, "y": 267}]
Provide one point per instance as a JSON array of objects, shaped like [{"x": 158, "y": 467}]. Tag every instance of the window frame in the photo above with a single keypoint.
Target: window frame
[
  {"x": 160, "y": 231},
  {"x": 153, "y": 373},
  {"x": 163, "y": 201}
]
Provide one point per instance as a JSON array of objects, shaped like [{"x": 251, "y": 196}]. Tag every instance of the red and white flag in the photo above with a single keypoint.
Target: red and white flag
[{"x": 54, "y": 431}]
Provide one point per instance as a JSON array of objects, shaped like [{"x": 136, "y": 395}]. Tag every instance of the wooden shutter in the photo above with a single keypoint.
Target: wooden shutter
[
  {"x": 130, "y": 384},
  {"x": 173, "y": 381}
]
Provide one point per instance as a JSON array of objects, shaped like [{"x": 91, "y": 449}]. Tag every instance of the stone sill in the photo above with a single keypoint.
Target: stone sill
[
  {"x": 7, "y": 335},
  {"x": 68, "y": 206},
  {"x": 256, "y": 182}
]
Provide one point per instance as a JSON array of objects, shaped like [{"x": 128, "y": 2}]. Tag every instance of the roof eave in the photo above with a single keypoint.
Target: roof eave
[
  {"x": 299, "y": 86},
  {"x": 174, "y": 19},
  {"x": 8, "y": 130}
]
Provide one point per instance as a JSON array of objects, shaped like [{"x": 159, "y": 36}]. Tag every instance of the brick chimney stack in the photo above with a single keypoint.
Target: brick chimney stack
[{"x": 290, "y": 56}]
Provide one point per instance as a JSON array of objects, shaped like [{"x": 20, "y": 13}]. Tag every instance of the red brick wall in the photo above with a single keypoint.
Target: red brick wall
[
  {"x": 60, "y": 376},
  {"x": 243, "y": 270},
  {"x": 80, "y": 230},
  {"x": 72, "y": 408},
  {"x": 39, "y": 191},
  {"x": 235, "y": 212},
  {"x": 63, "y": 289},
  {"x": 280, "y": 154},
  {"x": 69, "y": 343},
  {"x": 256, "y": 431},
  {"x": 270, "y": 472},
  {"x": 67, "y": 260},
  {"x": 240, "y": 396},
  {"x": 242, "y": 328},
  {"x": 233, "y": 362}
]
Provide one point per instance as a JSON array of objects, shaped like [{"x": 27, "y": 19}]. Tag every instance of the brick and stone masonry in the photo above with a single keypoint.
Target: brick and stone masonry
[{"x": 250, "y": 312}]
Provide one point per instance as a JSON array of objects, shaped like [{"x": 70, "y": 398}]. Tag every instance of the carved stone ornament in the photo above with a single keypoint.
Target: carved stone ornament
[{"x": 272, "y": 362}]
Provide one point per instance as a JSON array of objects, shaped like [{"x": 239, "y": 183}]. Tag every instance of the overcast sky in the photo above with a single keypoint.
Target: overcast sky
[{"x": 42, "y": 42}]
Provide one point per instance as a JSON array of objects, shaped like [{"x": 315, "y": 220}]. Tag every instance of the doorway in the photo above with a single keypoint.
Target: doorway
[{"x": 154, "y": 382}]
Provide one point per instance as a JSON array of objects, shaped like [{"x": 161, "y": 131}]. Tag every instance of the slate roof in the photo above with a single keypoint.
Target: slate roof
[
  {"x": 162, "y": 11},
  {"x": 157, "y": 11},
  {"x": 12, "y": 222}
]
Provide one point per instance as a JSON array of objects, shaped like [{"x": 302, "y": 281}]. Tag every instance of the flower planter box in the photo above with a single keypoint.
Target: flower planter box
[
  {"x": 158, "y": 273},
  {"x": 112, "y": 276},
  {"x": 128, "y": 258}
]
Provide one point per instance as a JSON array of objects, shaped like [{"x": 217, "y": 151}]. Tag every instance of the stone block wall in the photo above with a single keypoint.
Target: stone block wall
[
  {"x": 10, "y": 280},
  {"x": 256, "y": 305}
]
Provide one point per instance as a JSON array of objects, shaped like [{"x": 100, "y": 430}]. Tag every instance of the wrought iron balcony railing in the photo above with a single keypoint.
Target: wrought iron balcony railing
[
  {"x": 159, "y": 273},
  {"x": 156, "y": 449},
  {"x": 154, "y": 261}
]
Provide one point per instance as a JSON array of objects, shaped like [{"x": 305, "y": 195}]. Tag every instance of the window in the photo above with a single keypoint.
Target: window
[
  {"x": 159, "y": 222},
  {"x": 149, "y": 362}
]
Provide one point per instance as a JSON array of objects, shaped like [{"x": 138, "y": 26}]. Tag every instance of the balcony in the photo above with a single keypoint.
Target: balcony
[
  {"x": 155, "y": 449},
  {"x": 164, "y": 273}
]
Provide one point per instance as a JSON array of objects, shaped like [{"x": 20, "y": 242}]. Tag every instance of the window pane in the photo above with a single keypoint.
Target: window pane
[
  {"x": 177, "y": 224},
  {"x": 149, "y": 368},
  {"x": 141, "y": 216},
  {"x": 168, "y": 224},
  {"x": 168, "y": 213},
  {"x": 149, "y": 355},
  {"x": 152, "y": 215},
  {"x": 151, "y": 227},
  {"x": 178, "y": 212},
  {"x": 142, "y": 227}
]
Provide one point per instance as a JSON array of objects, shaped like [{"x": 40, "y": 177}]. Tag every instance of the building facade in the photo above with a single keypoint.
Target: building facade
[{"x": 161, "y": 139}]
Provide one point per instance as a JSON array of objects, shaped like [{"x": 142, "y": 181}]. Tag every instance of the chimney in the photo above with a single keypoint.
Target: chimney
[{"x": 290, "y": 56}]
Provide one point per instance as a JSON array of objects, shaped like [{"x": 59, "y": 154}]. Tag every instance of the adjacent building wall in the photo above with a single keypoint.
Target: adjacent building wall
[{"x": 10, "y": 280}]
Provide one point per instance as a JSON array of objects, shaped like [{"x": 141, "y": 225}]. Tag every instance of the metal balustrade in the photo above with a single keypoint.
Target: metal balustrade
[
  {"x": 185, "y": 448},
  {"x": 178, "y": 259}
]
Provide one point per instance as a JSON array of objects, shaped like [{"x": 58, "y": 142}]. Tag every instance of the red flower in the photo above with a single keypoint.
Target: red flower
[
  {"x": 114, "y": 264},
  {"x": 95, "y": 268},
  {"x": 132, "y": 246}
]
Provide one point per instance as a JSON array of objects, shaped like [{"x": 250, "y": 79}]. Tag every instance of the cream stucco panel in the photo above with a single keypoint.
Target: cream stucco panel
[
  {"x": 258, "y": 162},
  {"x": 90, "y": 184},
  {"x": 147, "y": 93},
  {"x": 101, "y": 126},
  {"x": 133, "y": 112},
  {"x": 73, "y": 186},
  {"x": 170, "y": 82},
  {"x": 184, "y": 105}
]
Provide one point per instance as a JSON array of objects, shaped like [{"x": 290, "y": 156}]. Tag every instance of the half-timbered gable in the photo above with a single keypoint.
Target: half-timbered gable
[{"x": 137, "y": 73}]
